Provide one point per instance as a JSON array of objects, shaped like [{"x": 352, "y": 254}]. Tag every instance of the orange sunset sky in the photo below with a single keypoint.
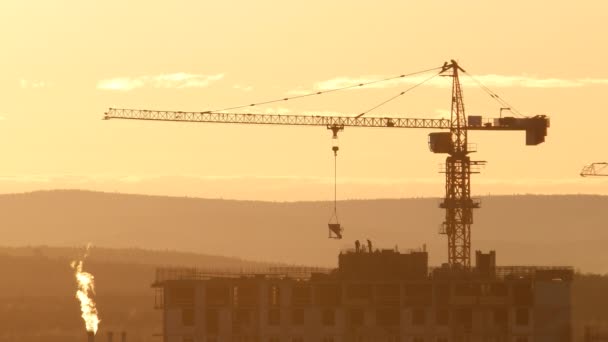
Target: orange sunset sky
[{"x": 64, "y": 62}]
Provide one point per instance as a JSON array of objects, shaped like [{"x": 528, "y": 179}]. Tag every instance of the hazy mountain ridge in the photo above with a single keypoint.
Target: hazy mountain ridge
[
  {"x": 128, "y": 256},
  {"x": 26, "y": 267},
  {"x": 524, "y": 229}
]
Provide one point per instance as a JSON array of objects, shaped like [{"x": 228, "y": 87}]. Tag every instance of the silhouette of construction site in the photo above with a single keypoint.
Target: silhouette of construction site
[
  {"x": 376, "y": 294},
  {"x": 595, "y": 333},
  {"x": 373, "y": 295}
]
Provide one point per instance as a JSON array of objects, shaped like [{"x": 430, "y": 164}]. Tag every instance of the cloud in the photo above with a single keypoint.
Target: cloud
[
  {"x": 130, "y": 179},
  {"x": 25, "y": 84},
  {"x": 285, "y": 111},
  {"x": 178, "y": 80},
  {"x": 490, "y": 80},
  {"x": 595, "y": 81},
  {"x": 493, "y": 80},
  {"x": 262, "y": 110},
  {"x": 242, "y": 87},
  {"x": 26, "y": 179},
  {"x": 289, "y": 187},
  {"x": 442, "y": 113},
  {"x": 324, "y": 113},
  {"x": 142, "y": 178}
]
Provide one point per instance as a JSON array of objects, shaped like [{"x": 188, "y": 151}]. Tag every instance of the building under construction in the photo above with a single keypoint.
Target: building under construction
[{"x": 373, "y": 295}]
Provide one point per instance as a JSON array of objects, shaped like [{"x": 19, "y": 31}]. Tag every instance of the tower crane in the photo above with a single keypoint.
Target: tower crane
[
  {"x": 595, "y": 169},
  {"x": 457, "y": 203}
]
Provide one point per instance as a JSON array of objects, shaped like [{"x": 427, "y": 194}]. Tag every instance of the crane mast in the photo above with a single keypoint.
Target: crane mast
[{"x": 457, "y": 203}]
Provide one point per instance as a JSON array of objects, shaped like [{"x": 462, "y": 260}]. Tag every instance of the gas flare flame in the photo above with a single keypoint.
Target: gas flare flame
[{"x": 86, "y": 288}]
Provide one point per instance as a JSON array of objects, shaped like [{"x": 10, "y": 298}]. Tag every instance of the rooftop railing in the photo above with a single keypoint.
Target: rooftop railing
[
  {"x": 305, "y": 273},
  {"x": 189, "y": 273}
]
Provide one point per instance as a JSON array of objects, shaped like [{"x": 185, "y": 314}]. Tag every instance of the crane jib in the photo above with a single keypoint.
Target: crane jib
[{"x": 535, "y": 127}]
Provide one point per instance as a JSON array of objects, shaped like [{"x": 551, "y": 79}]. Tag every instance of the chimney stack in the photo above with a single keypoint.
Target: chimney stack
[
  {"x": 110, "y": 336},
  {"x": 90, "y": 336},
  {"x": 123, "y": 336}
]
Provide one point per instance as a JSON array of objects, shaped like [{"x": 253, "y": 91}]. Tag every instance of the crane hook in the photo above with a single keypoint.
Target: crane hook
[{"x": 335, "y": 128}]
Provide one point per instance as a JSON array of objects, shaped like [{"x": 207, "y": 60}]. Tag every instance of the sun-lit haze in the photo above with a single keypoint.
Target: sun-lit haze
[
  {"x": 65, "y": 62},
  {"x": 194, "y": 223}
]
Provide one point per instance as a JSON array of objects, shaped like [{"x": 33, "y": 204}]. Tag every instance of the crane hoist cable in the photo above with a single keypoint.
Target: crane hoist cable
[{"x": 335, "y": 228}]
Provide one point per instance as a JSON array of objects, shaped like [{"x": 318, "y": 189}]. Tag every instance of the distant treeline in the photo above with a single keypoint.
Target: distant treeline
[{"x": 522, "y": 229}]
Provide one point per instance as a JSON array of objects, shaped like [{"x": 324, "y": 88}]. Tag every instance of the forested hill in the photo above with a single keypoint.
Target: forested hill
[{"x": 524, "y": 230}]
